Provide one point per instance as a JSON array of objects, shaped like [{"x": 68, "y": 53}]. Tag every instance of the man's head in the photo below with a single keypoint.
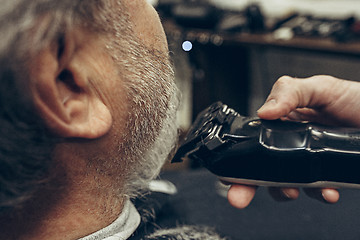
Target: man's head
[{"x": 87, "y": 98}]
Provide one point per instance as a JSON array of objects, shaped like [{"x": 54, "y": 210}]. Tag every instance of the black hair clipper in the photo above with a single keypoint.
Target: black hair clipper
[{"x": 260, "y": 152}]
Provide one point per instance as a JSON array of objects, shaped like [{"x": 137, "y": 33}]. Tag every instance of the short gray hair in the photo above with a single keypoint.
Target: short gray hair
[{"x": 25, "y": 144}]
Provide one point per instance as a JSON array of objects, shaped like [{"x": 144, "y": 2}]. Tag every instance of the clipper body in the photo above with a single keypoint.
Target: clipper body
[{"x": 272, "y": 152}]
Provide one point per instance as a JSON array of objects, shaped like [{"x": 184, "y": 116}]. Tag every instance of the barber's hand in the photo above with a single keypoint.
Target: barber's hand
[{"x": 322, "y": 99}]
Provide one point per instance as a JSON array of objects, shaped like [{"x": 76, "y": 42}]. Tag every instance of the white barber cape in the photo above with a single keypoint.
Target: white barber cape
[{"x": 122, "y": 228}]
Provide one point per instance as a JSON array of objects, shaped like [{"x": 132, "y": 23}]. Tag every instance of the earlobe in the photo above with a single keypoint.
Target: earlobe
[
  {"x": 91, "y": 121},
  {"x": 63, "y": 97}
]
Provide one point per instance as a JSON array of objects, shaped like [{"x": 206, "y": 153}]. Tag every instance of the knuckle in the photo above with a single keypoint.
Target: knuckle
[
  {"x": 283, "y": 82},
  {"x": 285, "y": 79}
]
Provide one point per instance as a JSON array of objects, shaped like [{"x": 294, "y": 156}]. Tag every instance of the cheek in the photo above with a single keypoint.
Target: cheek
[
  {"x": 116, "y": 96},
  {"x": 109, "y": 86},
  {"x": 117, "y": 102}
]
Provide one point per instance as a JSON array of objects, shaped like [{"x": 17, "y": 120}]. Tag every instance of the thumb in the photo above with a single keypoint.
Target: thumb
[
  {"x": 270, "y": 110},
  {"x": 289, "y": 93},
  {"x": 283, "y": 99}
]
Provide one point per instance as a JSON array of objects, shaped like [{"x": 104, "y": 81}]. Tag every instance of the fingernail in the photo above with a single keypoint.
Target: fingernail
[
  {"x": 290, "y": 193},
  {"x": 286, "y": 194},
  {"x": 329, "y": 195},
  {"x": 324, "y": 198},
  {"x": 323, "y": 195},
  {"x": 269, "y": 104}
]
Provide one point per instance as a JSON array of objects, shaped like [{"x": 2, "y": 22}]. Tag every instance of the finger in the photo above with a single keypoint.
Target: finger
[
  {"x": 284, "y": 194},
  {"x": 286, "y": 95},
  {"x": 303, "y": 114},
  {"x": 326, "y": 195},
  {"x": 312, "y": 115},
  {"x": 289, "y": 94},
  {"x": 330, "y": 195},
  {"x": 240, "y": 196}
]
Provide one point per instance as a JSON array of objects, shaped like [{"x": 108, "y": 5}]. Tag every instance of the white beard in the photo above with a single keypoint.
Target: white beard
[
  {"x": 149, "y": 133},
  {"x": 149, "y": 165},
  {"x": 153, "y": 124}
]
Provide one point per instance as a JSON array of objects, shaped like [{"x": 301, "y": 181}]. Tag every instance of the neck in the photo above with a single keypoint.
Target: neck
[{"x": 70, "y": 209}]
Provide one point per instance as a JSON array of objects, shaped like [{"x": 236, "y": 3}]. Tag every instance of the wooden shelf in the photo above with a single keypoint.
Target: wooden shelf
[
  {"x": 265, "y": 39},
  {"x": 306, "y": 43}
]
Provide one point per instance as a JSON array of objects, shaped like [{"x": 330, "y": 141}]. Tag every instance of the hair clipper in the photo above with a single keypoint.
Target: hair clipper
[{"x": 253, "y": 151}]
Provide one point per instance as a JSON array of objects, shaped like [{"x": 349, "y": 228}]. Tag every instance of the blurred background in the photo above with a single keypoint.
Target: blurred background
[{"x": 234, "y": 50}]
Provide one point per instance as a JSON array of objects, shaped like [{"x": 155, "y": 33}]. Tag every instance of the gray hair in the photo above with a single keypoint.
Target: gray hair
[
  {"x": 25, "y": 144},
  {"x": 186, "y": 232},
  {"x": 153, "y": 97}
]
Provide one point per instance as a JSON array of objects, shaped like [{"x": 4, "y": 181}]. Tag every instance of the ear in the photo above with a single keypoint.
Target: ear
[{"x": 62, "y": 93}]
